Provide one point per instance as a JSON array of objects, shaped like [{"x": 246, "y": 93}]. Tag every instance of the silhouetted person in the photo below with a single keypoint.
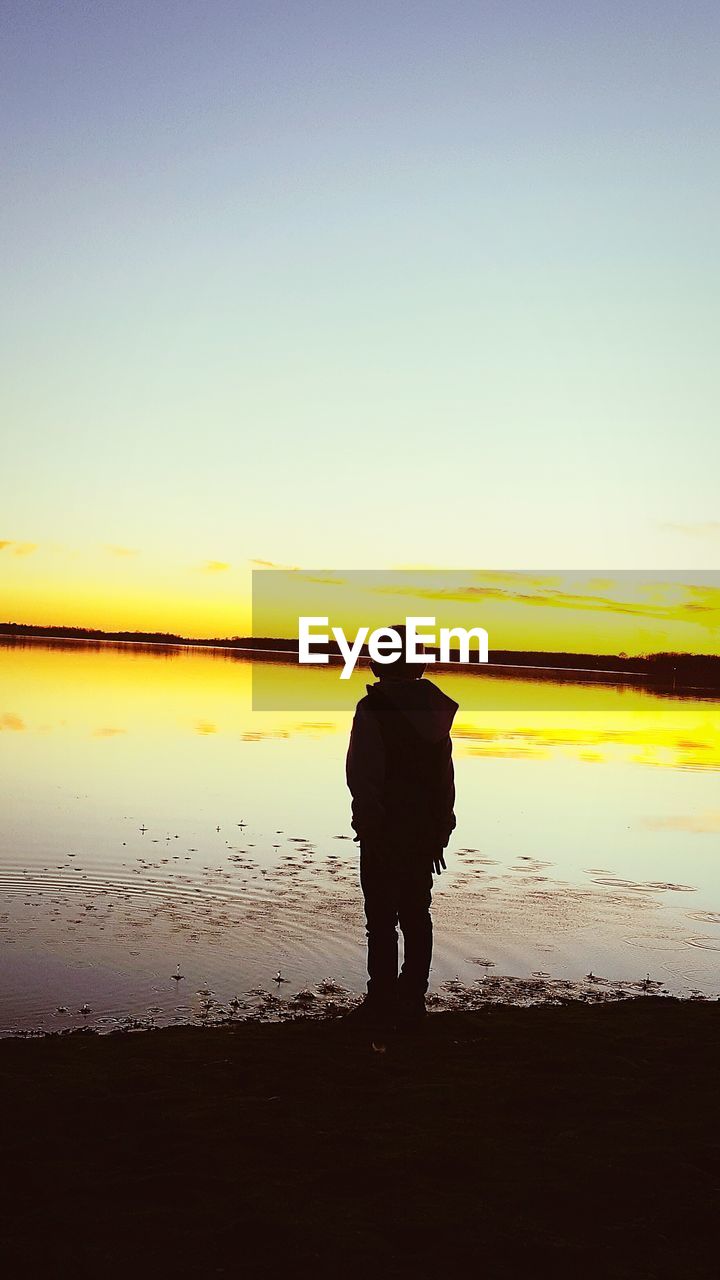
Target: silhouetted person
[{"x": 400, "y": 774}]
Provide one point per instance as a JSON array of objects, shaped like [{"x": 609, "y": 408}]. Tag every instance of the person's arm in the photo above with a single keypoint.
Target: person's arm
[
  {"x": 446, "y": 807},
  {"x": 445, "y": 815},
  {"x": 365, "y": 773}
]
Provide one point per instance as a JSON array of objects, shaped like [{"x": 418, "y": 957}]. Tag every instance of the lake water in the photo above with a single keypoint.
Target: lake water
[{"x": 154, "y": 825}]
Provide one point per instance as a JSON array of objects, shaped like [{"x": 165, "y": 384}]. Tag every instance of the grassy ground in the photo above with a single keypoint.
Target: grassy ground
[{"x": 560, "y": 1141}]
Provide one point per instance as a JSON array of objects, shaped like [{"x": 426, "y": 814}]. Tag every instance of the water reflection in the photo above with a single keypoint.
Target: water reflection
[{"x": 153, "y": 819}]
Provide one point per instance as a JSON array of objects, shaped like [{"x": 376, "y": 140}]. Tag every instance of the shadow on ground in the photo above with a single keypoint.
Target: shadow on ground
[{"x": 564, "y": 1141}]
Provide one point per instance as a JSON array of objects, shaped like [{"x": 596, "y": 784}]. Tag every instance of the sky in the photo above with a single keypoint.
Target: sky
[
  {"x": 621, "y": 613},
  {"x": 361, "y": 285}
]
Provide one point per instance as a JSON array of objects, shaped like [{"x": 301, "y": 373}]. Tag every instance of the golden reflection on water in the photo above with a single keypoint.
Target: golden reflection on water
[
  {"x": 103, "y": 691},
  {"x": 649, "y": 737}
]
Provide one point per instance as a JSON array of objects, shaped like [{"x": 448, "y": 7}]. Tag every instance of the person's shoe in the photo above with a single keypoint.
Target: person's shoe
[
  {"x": 369, "y": 1014},
  {"x": 411, "y": 1014}
]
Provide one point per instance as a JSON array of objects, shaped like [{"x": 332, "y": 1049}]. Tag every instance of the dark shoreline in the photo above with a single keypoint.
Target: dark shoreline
[
  {"x": 564, "y": 1141},
  {"x": 673, "y": 675}
]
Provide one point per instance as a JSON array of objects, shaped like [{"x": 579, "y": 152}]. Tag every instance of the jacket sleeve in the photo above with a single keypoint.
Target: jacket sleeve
[
  {"x": 365, "y": 773},
  {"x": 446, "y": 806}
]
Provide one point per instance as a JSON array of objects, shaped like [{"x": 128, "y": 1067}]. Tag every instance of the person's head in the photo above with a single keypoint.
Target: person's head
[{"x": 399, "y": 669}]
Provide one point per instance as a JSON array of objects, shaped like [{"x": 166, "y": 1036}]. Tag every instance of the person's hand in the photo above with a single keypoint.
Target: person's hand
[
  {"x": 438, "y": 863},
  {"x": 373, "y": 843}
]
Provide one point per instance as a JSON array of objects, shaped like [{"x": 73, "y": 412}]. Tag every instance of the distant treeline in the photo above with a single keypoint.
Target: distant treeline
[{"x": 681, "y": 670}]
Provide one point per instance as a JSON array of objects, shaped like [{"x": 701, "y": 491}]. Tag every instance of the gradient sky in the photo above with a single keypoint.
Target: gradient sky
[{"x": 357, "y": 284}]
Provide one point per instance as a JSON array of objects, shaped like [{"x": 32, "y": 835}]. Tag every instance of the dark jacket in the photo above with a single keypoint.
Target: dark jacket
[{"x": 399, "y": 763}]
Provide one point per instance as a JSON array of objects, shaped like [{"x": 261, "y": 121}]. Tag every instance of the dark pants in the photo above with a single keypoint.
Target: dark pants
[{"x": 396, "y": 880}]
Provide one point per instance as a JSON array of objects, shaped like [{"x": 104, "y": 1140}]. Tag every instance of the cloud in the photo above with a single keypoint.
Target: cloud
[
  {"x": 271, "y": 564},
  {"x": 696, "y": 823},
  {"x": 8, "y": 720},
  {"x": 697, "y": 529},
  {"x": 121, "y": 551},
  {"x": 260, "y": 735},
  {"x": 669, "y": 601},
  {"x": 18, "y": 548},
  {"x": 215, "y": 566},
  {"x": 324, "y": 581}
]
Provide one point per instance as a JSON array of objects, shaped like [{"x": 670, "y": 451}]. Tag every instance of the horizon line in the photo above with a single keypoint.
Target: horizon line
[{"x": 172, "y": 637}]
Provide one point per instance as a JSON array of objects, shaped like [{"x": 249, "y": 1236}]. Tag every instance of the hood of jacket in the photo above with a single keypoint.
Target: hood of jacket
[{"x": 428, "y": 709}]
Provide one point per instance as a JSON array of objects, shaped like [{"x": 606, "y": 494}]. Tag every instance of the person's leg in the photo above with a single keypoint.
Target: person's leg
[
  {"x": 379, "y": 890},
  {"x": 415, "y": 894}
]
